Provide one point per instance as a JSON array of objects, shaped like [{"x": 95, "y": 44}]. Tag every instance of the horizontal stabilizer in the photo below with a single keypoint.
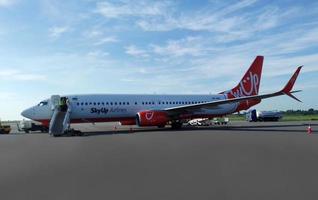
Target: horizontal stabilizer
[{"x": 292, "y": 96}]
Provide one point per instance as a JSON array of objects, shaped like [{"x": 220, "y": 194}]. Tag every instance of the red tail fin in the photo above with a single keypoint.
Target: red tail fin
[{"x": 249, "y": 85}]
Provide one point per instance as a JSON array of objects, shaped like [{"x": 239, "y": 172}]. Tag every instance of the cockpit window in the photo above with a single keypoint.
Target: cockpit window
[{"x": 43, "y": 103}]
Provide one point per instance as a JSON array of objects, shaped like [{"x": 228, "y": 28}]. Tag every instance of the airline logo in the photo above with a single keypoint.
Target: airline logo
[
  {"x": 106, "y": 110},
  {"x": 149, "y": 115},
  {"x": 250, "y": 82},
  {"x": 247, "y": 87},
  {"x": 99, "y": 111}
]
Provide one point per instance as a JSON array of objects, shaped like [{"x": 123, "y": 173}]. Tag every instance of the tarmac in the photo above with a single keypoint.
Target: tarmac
[{"x": 269, "y": 160}]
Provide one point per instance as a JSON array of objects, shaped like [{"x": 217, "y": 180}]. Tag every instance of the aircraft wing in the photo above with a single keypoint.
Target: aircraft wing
[{"x": 285, "y": 91}]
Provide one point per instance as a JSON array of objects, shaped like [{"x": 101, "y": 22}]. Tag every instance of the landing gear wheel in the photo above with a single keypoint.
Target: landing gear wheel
[{"x": 176, "y": 125}]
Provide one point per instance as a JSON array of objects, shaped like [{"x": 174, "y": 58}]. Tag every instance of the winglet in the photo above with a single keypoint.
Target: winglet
[{"x": 289, "y": 86}]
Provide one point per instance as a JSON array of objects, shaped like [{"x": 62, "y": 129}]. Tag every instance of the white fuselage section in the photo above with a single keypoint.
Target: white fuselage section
[{"x": 114, "y": 107}]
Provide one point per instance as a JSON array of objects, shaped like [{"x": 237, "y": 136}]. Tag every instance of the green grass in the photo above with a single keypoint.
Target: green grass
[
  {"x": 236, "y": 117},
  {"x": 286, "y": 117},
  {"x": 299, "y": 117}
]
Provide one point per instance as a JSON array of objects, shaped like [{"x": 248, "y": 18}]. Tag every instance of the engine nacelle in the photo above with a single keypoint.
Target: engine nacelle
[
  {"x": 152, "y": 118},
  {"x": 128, "y": 122}
]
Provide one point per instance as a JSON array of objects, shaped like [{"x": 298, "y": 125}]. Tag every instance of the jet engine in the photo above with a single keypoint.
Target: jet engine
[{"x": 152, "y": 118}]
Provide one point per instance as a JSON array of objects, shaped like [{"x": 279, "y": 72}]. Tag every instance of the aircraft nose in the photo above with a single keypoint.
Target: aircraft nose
[{"x": 27, "y": 113}]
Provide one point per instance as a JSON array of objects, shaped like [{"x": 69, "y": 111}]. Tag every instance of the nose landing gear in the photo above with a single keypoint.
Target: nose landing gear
[{"x": 70, "y": 132}]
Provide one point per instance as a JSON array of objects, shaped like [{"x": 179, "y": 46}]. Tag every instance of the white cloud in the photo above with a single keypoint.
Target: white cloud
[
  {"x": 308, "y": 39},
  {"x": 8, "y": 96},
  {"x": 16, "y": 75},
  {"x": 94, "y": 33},
  {"x": 98, "y": 36},
  {"x": 57, "y": 31},
  {"x": 135, "y": 51},
  {"x": 188, "y": 46},
  {"x": 97, "y": 54},
  {"x": 238, "y": 6},
  {"x": 7, "y": 3},
  {"x": 104, "y": 40},
  {"x": 131, "y": 8},
  {"x": 202, "y": 20}
]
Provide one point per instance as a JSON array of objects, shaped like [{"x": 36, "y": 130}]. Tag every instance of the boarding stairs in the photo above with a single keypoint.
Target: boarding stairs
[{"x": 60, "y": 120}]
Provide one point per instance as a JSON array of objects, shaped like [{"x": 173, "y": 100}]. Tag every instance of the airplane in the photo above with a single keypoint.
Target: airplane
[{"x": 155, "y": 110}]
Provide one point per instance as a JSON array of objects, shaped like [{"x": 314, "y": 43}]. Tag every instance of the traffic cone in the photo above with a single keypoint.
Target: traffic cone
[{"x": 309, "y": 130}]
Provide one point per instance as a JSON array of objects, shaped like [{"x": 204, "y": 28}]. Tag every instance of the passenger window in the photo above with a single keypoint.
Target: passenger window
[
  {"x": 127, "y": 103},
  {"x": 135, "y": 103},
  {"x": 111, "y": 103},
  {"x": 119, "y": 103},
  {"x": 115, "y": 103}
]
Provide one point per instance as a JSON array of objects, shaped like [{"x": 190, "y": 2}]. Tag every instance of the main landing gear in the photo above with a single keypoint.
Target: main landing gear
[{"x": 176, "y": 125}]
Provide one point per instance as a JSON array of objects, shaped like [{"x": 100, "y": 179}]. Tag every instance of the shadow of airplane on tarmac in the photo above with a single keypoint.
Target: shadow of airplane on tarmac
[{"x": 252, "y": 128}]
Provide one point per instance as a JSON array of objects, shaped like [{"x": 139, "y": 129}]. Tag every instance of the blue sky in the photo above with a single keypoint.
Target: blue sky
[{"x": 191, "y": 47}]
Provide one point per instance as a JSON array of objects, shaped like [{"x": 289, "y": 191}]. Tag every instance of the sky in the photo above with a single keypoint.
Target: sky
[{"x": 154, "y": 47}]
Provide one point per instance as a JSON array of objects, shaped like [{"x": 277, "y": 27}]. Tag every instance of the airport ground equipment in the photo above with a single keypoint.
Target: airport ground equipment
[
  {"x": 200, "y": 122},
  {"x": 209, "y": 122},
  {"x": 60, "y": 121},
  {"x": 221, "y": 121},
  {"x": 27, "y": 126},
  {"x": 254, "y": 116},
  {"x": 4, "y": 129}
]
